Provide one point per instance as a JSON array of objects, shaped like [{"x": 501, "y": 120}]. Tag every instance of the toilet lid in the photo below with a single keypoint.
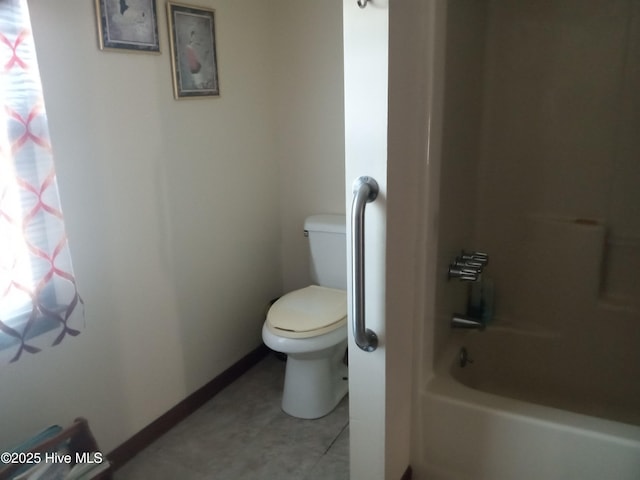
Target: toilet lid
[{"x": 308, "y": 312}]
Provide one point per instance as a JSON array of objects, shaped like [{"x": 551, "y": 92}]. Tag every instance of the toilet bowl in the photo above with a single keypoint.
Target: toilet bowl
[{"x": 310, "y": 326}]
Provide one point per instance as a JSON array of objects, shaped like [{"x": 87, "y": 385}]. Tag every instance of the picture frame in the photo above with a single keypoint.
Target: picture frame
[
  {"x": 194, "y": 61},
  {"x": 128, "y": 25}
]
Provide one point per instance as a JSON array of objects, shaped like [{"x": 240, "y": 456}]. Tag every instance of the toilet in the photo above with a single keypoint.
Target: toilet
[{"x": 309, "y": 325}]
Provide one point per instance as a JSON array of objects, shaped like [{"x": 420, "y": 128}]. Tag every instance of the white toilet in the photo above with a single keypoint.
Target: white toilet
[{"x": 310, "y": 325}]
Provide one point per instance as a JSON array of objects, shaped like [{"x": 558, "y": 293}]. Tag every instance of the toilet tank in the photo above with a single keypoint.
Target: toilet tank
[{"x": 328, "y": 249}]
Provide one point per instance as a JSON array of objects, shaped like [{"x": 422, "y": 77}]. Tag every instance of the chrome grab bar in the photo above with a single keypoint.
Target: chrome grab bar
[{"x": 365, "y": 190}]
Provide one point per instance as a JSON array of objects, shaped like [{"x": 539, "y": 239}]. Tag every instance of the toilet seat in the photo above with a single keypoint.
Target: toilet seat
[{"x": 308, "y": 312}]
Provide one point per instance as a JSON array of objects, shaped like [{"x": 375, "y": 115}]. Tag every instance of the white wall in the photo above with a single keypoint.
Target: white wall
[
  {"x": 453, "y": 53},
  {"x": 410, "y": 88},
  {"x": 173, "y": 210},
  {"x": 366, "y": 47},
  {"x": 386, "y": 99},
  {"x": 366, "y": 51},
  {"x": 310, "y": 119}
]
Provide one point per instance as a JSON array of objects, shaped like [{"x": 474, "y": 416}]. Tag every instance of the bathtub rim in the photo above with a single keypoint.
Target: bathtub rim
[{"x": 444, "y": 386}]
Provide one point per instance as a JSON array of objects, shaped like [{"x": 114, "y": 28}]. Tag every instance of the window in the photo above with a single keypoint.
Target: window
[{"x": 39, "y": 301}]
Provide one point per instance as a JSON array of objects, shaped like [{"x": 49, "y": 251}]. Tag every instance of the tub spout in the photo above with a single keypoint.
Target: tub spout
[{"x": 464, "y": 321}]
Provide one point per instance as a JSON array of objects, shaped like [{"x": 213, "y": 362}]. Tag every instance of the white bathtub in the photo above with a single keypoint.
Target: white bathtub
[{"x": 470, "y": 434}]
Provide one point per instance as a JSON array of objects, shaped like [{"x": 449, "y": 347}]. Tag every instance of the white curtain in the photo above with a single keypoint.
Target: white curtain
[{"x": 39, "y": 301}]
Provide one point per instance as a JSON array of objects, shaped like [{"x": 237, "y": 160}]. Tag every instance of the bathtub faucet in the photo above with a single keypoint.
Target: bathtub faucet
[
  {"x": 464, "y": 321},
  {"x": 468, "y": 266}
]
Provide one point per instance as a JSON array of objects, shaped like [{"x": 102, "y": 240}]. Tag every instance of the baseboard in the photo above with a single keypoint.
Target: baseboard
[
  {"x": 408, "y": 474},
  {"x": 130, "y": 448}
]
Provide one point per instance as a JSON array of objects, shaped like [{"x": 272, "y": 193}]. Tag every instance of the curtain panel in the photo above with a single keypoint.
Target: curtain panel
[{"x": 39, "y": 301}]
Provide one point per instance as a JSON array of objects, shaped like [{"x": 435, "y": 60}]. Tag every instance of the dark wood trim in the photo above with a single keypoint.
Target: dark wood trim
[
  {"x": 408, "y": 474},
  {"x": 130, "y": 448}
]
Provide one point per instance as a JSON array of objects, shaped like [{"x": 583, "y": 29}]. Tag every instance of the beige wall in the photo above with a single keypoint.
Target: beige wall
[
  {"x": 309, "y": 115},
  {"x": 623, "y": 212},
  {"x": 549, "y": 188},
  {"x": 539, "y": 132},
  {"x": 174, "y": 208},
  {"x": 464, "y": 56},
  {"x": 559, "y": 135}
]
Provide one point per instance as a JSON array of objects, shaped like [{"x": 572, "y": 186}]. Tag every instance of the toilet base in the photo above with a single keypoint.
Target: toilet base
[{"x": 315, "y": 382}]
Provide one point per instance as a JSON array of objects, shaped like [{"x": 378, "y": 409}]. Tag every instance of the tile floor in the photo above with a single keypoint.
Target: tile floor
[{"x": 243, "y": 434}]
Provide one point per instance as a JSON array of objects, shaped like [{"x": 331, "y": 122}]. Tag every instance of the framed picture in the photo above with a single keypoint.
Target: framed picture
[
  {"x": 128, "y": 25},
  {"x": 192, "y": 36}
]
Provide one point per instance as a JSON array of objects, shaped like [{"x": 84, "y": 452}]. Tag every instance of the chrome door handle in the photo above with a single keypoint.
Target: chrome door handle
[{"x": 365, "y": 190}]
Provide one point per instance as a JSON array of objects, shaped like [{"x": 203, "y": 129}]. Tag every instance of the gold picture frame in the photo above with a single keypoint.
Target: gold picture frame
[{"x": 194, "y": 61}]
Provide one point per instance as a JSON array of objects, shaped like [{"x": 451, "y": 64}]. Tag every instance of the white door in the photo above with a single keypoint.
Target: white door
[
  {"x": 386, "y": 127},
  {"x": 365, "y": 53}
]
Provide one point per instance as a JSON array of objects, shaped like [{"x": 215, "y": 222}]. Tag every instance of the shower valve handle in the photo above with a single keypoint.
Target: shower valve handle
[
  {"x": 463, "y": 273},
  {"x": 479, "y": 257},
  {"x": 472, "y": 264}
]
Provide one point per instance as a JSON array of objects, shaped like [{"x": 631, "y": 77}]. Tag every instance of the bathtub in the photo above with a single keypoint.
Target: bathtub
[{"x": 496, "y": 419}]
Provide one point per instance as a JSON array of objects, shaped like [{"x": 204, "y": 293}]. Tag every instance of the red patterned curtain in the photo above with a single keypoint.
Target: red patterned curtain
[{"x": 39, "y": 301}]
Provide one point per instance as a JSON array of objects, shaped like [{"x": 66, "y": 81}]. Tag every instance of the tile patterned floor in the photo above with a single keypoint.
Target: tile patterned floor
[{"x": 243, "y": 434}]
